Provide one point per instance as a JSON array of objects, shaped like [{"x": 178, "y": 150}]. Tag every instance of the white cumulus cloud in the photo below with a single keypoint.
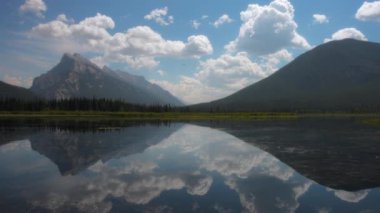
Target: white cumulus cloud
[
  {"x": 37, "y": 7},
  {"x": 195, "y": 24},
  {"x": 231, "y": 72},
  {"x": 138, "y": 46},
  {"x": 159, "y": 15},
  {"x": 320, "y": 18},
  {"x": 267, "y": 29},
  {"x": 347, "y": 33},
  {"x": 89, "y": 28},
  {"x": 197, "y": 45},
  {"x": 221, "y": 76},
  {"x": 369, "y": 11},
  {"x": 224, "y": 19},
  {"x": 62, "y": 18}
]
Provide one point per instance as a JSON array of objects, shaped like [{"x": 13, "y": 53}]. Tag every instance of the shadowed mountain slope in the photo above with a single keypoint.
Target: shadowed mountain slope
[
  {"x": 10, "y": 91},
  {"x": 336, "y": 76}
]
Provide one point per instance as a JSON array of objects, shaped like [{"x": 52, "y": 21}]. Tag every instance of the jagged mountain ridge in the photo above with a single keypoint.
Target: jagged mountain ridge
[{"x": 76, "y": 76}]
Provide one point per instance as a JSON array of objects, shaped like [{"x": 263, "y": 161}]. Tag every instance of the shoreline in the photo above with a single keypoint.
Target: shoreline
[{"x": 180, "y": 115}]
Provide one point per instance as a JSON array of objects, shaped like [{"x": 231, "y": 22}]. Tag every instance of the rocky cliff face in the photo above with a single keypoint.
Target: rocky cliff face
[{"x": 76, "y": 76}]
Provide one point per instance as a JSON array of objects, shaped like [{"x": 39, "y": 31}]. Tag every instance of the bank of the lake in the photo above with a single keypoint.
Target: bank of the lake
[{"x": 373, "y": 117}]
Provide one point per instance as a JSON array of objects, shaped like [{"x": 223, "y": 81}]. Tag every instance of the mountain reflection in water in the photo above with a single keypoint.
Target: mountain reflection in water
[{"x": 174, "y": 167}]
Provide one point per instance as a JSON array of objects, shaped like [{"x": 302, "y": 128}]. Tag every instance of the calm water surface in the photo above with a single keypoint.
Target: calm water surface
[{"x": 304, "y": 165}]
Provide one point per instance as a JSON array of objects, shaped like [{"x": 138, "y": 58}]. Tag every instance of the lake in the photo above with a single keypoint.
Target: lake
[{"x": 301, "y": 165}]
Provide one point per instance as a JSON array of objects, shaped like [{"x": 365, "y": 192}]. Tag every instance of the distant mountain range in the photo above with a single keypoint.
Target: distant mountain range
[
  {"x": 337, "y": 76},
  {"x": 76, "y": 76},
  {"x": 11, "y": 91}
]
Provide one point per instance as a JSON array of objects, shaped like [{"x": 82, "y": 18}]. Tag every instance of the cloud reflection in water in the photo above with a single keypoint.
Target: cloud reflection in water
[{"x": 194, "y": 163}]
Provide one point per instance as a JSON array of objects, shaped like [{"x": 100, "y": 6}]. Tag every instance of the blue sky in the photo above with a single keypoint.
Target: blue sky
[{"x": 199, "y": 50}]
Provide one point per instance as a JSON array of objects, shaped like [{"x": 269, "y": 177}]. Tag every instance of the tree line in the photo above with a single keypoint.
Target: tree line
[
  {"x": 112, "y": 105},
  {"x": 81, "y": 104}
]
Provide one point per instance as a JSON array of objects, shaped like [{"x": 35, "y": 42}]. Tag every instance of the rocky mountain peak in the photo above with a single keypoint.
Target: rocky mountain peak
[
  {"x": 75, "y": 57},
  {"x": 75, "y": 63},
  {"x": 77, "y": 76}
]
